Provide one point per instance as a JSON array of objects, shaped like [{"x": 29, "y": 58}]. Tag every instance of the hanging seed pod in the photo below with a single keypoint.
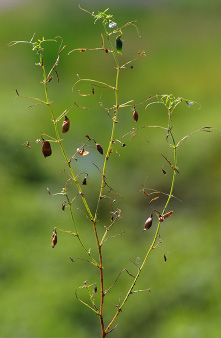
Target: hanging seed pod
[
  {"x": 99, "y": 148},
  {"x": 54, "y": 239},
  {"x": 135, "y": 115},
  {"x": 165, "y": 259},
  {"x": 164, "y": 171},
  {"x": 95, "y": 289},
  {"x": 84, "y": 181},
  {"x": 65, "y": 125},
  {"x": 82, "y": 152},
  {"x": 46, "y": 148},
  {"x": 148, "y": 222},
  {"x": 119, "y": 44}
]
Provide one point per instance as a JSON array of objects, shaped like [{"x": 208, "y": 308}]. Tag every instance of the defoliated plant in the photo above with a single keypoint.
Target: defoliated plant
[{"x": 112, "y": 43}]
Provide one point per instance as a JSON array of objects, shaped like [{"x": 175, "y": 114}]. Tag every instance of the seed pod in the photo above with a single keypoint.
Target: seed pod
[
  {"x": 95, "y": 289},
  {"x": 82, "y": 152},
  {"x": 148, "y": 222},
  {"x": 164, "y": 171},
  {"x": 99, "y": 148},
  {"x": 119, "y": 44},
  {"x": 163, "y": 217},
  {"x": 84, "y": 181},
  {"x": 65, "y": 125},
  {"x": 106, "y": 50},
  {"x": 165, "y": 259},
  {"x": 46, "y": 148},
  {"x": 54, "y": 239},
  {"x": 135, "y": 115}
]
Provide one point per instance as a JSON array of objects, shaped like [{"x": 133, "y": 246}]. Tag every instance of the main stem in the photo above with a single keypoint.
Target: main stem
[{"x": 119, "y": 309}]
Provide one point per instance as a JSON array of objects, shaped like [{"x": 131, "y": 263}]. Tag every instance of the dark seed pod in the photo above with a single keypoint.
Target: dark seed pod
[
  {"x": 164, "y": 171},
  {"x": 65, "y": 125},
  {"x": 54, "y": 239},
  {"x": 106, "y": 50},
  {"x": 63, "y": 206},
  {"x": 123, "y": 144},
  {"x": 135, "y": 115},
  {"x": 148, "y": 223},
  {"x": 84, "y": 181},
  {"x": 46, "y": 148},
  {"x": 99, "y": 148},
  {"x": 119, "y": 45},
  {"x": 165, "y": 259},
  {"x": 95, "y": 289}
]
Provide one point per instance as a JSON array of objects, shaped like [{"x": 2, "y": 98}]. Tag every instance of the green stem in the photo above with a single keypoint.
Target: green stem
[
  {"x": 151, "y": 246},
  {"x": 68, "y": 163}
]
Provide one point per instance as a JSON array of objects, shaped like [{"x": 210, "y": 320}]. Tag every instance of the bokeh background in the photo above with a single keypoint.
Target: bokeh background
[{"x": 37, "y": 284}]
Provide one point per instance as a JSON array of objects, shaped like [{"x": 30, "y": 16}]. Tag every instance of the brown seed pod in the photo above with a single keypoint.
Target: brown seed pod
[
  {"x": 54, "y": 239},
  {"x": 99, "y": 148},
  {"x": 164, "y": 171},
  {"x": 82, "y": 152},
  {"x": 135, "y": 115},
  {"x": 65, "y": 125},
  {"x": 163, "y": 217},
  {"x": 148, "y": 222},
  {"x": 46, "y": 148},
  {"x": 84, "y": 181}
]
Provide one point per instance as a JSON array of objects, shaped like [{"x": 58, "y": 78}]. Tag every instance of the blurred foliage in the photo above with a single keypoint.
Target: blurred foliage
[{"x": 37, "y": 284}]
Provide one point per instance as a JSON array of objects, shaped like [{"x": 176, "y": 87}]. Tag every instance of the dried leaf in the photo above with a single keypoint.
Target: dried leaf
[{"x": 153, "y": 199}]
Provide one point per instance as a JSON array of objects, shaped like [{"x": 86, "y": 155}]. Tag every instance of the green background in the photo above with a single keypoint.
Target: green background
[{"x": 37, "y": 284}]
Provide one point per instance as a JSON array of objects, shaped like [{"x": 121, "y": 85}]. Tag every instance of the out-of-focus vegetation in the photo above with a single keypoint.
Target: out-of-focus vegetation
[{"x": 37, "y": 284}]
